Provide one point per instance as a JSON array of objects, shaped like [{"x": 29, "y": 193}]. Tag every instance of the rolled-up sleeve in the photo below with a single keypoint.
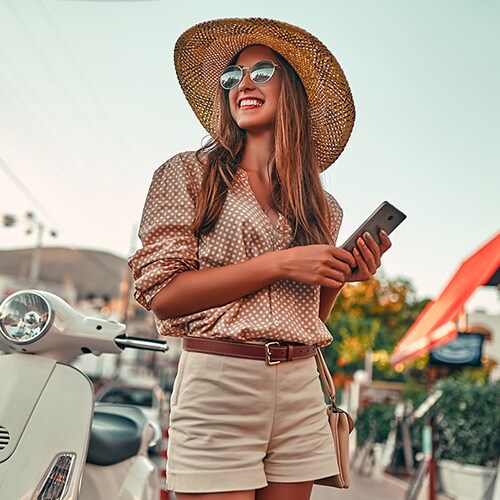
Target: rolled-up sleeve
[{"x": 169, "y": 246}]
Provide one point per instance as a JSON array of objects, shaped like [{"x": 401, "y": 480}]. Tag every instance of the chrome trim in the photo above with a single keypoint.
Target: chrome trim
[
  {"x": 141, "y": 343},
  {"x": 48, "y": 324},
  {"x": 46, "y": 476}
]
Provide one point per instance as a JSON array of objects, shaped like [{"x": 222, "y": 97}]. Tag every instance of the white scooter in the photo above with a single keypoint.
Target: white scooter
[{"x": 50, "y": 446}]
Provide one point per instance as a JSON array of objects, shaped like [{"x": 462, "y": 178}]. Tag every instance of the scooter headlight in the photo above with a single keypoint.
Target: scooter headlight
[{"x": 24, "y": 317}]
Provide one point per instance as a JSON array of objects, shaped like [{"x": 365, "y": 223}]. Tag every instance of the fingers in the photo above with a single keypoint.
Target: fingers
[
  {"x": 370, "y": 252},
  {"x": 335, "y": 275},
  {"x": 343, "y": 255},
  {"x": 362, "y": 272},
  {"x": 336, "y": 258},
  {"x": 373, "y": 247},
  {"x": 367, "y": 255},
  {"x": 385, "y": 242},
  {"x": 329, "y": 283},
  {"x": 330, "y": 278},
  {"x": 341, "y": 267}
]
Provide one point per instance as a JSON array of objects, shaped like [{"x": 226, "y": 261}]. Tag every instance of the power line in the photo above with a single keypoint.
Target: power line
[
  {"x": 17, "y": 98},
  {"x": 48, "y": 117},
  {"x": 74, "y": 106},
  {"x": 83, "y": 78},
  {"x": 40, "y": 124},
  {"x": 26, "y": 191},
  {"x": 23, "y": 188},
  {"x": 59, "y": 82}
]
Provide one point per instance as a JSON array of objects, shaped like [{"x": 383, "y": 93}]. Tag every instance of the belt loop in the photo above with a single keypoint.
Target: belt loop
[{"x": 289, "y": 354}]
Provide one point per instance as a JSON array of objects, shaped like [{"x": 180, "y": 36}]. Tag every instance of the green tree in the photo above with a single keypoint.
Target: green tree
[{"x": 372, "y": 315}]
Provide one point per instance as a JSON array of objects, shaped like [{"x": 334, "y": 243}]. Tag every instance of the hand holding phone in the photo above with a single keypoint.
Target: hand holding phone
[{"x": 386, "y": 217}]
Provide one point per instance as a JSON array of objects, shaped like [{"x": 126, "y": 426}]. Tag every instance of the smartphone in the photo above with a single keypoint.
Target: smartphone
[{"x": 386, "y": 217}]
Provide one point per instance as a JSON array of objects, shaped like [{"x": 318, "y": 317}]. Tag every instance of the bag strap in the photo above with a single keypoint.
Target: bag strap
[{"x": 325, "y": 376}]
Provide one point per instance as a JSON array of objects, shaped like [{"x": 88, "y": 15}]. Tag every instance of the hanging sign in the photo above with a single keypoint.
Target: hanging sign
[{"x": 465, "y": 349}]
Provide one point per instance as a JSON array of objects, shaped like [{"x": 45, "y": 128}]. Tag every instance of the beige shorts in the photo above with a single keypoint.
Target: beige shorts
[{"x": 238, "y": 423}]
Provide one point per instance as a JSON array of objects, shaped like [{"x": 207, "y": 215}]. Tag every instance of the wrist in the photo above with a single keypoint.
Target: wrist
[{"x": 272, "y": 267}]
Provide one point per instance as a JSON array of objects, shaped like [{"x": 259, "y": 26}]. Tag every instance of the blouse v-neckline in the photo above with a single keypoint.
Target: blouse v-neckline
[{"x": 246, "y": 181}]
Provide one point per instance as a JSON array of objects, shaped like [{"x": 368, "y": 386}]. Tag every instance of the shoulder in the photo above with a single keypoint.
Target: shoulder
[
  {"x": 183, "y": 168},
  {"x": 335, "y": 209},
  {"x": 336, "y": 214},
  {"x": 185, "y": 163}
]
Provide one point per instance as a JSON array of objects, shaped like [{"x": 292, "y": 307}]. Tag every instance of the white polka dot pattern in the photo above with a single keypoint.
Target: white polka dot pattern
[{"x": 285, "y": 310}]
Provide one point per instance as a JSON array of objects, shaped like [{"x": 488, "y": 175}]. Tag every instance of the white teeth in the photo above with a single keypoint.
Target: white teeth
[{"x": 250, "y": 102}]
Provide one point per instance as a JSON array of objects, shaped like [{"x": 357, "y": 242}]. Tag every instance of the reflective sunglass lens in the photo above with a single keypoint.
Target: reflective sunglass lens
[
  {"x": 262, "y": 72},
  {"x": 231, "y": 76}
]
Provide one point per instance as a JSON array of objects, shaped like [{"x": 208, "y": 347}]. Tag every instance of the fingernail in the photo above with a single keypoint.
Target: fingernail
[
  {"x": 361, "y": 241},
  {"x": 356, "y": 252},
  {"x": 367, "y": 235},
  {"x": 383, "y": 232}
]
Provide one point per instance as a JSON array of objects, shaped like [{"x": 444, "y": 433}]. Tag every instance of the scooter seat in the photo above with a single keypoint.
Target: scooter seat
[{"x": 116, "y": 434}]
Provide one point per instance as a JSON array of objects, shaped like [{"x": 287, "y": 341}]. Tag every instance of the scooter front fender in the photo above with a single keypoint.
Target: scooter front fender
[{"x": 46, "y": 409}]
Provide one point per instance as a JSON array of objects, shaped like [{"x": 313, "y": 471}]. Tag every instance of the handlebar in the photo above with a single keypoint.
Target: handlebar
[{"x": 124, "y": 341}]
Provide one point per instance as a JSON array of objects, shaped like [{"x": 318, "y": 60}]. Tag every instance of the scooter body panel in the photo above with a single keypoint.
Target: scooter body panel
[
  {"x": 58, "y": 421},
  {"x": 23, "y": 379},
  {"x": 133, "y": 479}
]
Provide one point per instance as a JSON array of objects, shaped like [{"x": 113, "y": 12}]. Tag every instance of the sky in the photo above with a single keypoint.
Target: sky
[{"x": 90, "y": 107}]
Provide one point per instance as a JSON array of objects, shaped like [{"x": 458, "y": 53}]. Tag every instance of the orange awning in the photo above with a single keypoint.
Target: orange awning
[{"x": 436, "y": 324}]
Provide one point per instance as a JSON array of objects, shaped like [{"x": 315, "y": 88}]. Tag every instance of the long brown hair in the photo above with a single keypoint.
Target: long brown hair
[{"x": 296, "y": 187}]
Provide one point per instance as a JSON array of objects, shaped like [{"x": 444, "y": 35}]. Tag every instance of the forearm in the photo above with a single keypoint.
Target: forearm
[
  {"x": 194, "y": 291},
  {"x": 327, "y": 299}
]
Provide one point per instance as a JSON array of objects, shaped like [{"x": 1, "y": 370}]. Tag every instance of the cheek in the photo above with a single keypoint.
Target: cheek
[
  {"x": 232, "y": 104},
  {"x": 274, "y": 94},
  {"x": 273, "y": 105}
]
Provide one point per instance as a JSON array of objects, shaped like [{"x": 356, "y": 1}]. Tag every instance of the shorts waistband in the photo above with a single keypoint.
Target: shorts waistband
[{"x": 272, "y": 352}]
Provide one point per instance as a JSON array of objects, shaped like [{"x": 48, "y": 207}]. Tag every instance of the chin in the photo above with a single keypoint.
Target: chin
[{"x": 255, "y": 127}]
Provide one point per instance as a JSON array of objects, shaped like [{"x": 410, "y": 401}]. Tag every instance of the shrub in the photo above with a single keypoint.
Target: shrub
[
  {"x": 374, "y": 421},
  {"x": 467, "y": 418}
]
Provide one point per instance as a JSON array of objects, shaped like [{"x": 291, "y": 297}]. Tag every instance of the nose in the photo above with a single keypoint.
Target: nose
[{"x": 246, "y": 82}]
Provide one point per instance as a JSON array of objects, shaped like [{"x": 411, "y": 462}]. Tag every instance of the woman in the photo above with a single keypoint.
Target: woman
[{"x": 238, "y": 257}]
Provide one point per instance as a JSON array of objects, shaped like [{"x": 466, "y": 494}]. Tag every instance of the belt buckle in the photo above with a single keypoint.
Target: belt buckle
[{"x": 269, "y": 362}]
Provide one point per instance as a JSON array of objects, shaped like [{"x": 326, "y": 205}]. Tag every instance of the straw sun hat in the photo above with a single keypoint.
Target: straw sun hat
[{"x": 203, "y": 51}]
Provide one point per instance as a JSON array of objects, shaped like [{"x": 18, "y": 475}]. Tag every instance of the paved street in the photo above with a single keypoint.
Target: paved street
[{"x": 363, "y": 488}]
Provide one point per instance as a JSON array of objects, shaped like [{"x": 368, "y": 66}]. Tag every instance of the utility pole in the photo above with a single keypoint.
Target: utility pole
[
  {"x": 37, "y": 250},
  {"x": 126, "y": 284},
  {"x": 34, "y": 224},
  {"x": 125, "y": 288}
]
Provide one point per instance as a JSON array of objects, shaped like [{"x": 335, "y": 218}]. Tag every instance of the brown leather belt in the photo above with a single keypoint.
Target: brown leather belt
[{"x": 272, "y": 353}]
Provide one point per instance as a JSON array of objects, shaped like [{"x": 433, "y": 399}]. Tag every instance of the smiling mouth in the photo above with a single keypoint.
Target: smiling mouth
[{"x": 250, "y": 103}]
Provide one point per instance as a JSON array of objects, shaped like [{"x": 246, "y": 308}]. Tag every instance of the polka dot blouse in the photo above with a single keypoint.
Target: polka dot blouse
[{"x": 286, "y": 310}]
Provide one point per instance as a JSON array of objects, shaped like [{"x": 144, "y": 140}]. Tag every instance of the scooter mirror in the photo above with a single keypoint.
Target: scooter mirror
[
  {"x": 24, "y": 317},
  {"x": 157, "y": 434}
]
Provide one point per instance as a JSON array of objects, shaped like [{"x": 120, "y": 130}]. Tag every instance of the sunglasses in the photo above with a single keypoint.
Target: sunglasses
[{"x": 261, "y": 72}]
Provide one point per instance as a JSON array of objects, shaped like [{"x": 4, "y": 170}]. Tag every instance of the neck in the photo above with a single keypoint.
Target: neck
[{"x": 258, "y": 148}]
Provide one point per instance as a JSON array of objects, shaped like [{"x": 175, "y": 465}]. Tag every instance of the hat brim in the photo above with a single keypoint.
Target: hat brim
[{"x": 204, "y": 50}]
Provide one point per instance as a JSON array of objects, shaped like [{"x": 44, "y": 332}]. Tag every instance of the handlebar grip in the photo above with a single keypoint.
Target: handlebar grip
[{"x": 124, "y": 341}]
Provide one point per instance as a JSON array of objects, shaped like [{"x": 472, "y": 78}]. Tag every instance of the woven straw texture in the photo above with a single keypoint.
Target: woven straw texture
[{"x": 203, "y": 51}]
